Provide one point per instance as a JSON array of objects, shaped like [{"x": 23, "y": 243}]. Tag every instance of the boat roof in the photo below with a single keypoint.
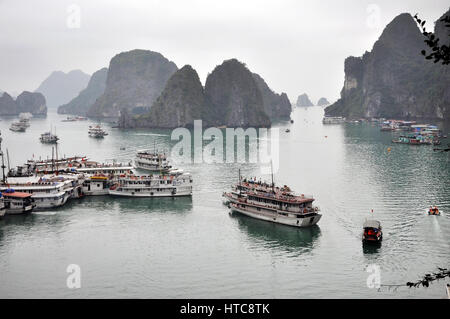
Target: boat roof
[
  {"x": 372, "y": 224},
  {"x": 112, "y": 168},
  {"x": 16, "y": 194}
]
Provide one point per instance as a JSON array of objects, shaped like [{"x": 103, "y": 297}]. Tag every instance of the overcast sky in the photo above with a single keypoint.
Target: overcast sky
[{"x": 296, "y": 46}]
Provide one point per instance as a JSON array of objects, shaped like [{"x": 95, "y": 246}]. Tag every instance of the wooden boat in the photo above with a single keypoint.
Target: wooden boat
[
  {"x": 434, "y": 211},
  {"x": 17, "y": 202},
  {"x": 372, "y": 232}
]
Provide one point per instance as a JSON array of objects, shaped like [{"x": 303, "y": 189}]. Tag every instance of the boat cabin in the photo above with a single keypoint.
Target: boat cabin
[{"x": 372, "y": 231}]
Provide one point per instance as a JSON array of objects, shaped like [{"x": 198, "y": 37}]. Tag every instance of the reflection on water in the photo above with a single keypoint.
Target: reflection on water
[
  {"x": 191, "y": 247},
  {"x": 290, "y": 239}
]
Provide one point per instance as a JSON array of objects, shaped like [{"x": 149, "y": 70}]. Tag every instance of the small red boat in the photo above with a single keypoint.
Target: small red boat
[
  {"x": 372, "y": 232},
  {"x": 434, "y": 211}
]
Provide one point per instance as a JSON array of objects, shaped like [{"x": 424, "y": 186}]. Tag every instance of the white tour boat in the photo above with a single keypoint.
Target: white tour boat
[
  {"x": 45, "y": 192},
  {"x": 96, "y": 185},
  {"x": 172, "y": 185},
  {"x": 97, "y": 131},
  {"x": 152, "y": 161},
  {"x": 274, "y": 204},
  {"x": 49, "y": 138},
  {"x": 17, "y": 127},
  {"x": 17, "y": 202},
  {"x": 333, "y": 120}
]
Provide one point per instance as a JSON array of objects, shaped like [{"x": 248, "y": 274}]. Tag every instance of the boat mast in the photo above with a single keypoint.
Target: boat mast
[
  {"x": 7, "y": 157},
  {"x": 56, "y": 147},
  {"x": 271, "y": 170},
  {"x": 3, "y": 161}
]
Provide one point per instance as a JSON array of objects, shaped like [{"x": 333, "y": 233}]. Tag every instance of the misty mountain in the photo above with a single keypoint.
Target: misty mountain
[
  {"x": 394, "y": 80},
  {"x": 276, "y": 106},
  {"x": 322, "y": 102},
  {"x": 59, "y": 87},
  {"x": 231, "y": 97},
  {"x": 135, "y": 80},
  {"x": 303, "y": 100},
  {"x": 32, "y": 102},
  {"x": 87, "y": 97}
]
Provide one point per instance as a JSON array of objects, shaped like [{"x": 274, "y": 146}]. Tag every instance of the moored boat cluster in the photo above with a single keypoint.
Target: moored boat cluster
[{"x": 51, "y": 183}]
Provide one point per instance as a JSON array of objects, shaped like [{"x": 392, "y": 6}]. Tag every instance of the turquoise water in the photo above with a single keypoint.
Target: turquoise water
[{"x": 192, "y": 247}]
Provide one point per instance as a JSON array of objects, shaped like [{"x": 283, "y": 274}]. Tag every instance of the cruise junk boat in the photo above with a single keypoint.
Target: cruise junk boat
[
  {"x": 274, "y": 204},
  {"x": 152, "y": 161},
  {"x": 175, "y": 184}
]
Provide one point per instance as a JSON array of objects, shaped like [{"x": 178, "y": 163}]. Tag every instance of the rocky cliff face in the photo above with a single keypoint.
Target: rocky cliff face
[
  {"x": 276, "y": 106},
  {"x": 235, "y": 96},
  {"x": 322, "y": 102},
  {"x": 59, "y": 88},
  {"x": 181, "y": 102},
  {"x": 87, "y": 97},
  {"x": 303, "y": 100},
  {"x": 135, "y": 80},
  {"x": 25, "y": 102},
  {"x": 394, "y": 80},
  {"x": 7, "y": 105}
]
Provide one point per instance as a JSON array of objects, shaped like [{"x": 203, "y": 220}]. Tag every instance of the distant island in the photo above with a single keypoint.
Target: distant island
[
  {"x": 81, "y": 104},
  {"x": 303, "y": 100},
  {"x": 144, "y": 89},
  {"x": 323, "y": 102},
  {"x": 59, "y": 87},
  {"x": 232, "y": 96},
  {"x": 26, "y": 102},
  {"x": 394, "y": 80}
]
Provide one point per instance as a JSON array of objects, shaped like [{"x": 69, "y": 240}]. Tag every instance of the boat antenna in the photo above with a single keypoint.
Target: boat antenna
[
  {"x": 3, "y": 161},
  {"x": 7, "y": 157},
  {"x": 56, "y": 148},
  {"x": 271, "y": 170},
  {"x": 53, "y": 161}
]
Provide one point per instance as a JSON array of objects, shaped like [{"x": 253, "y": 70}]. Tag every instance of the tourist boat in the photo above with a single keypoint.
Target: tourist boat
[
  {"x": 434, "y": 211},
  {"x": 333, "y": 120},
  {"x": 173, "y": 185},
  {"x": 97, "y": 131},
  {"x": 52, "y": 165},
  {"x": 96, "y": 185},
  {"x": 25, "y": 122},
  {"x": 274, "y": 204},
  {"x": 152, "y": 161},
  {"x": 17, "y": 202},
  {"x": 372, "y": 232},
  {"x": 48, "y": 138},
  {"x": 69, "y": 119},
  {"x": 17, "y": 127},
  {"x": 46, "y": 192},
  {"x": 413, "y": 140},
  {"x": 109, "y": 170},
  {"x": 24, "y": 119}
]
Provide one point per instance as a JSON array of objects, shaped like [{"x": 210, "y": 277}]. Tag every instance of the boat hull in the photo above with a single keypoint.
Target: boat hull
[
  {"x": 153, "y": 193},
  {"x": 289, "y": 221},
  {"x": 50, "y": 202},
  {"x": 18, "y": 211}
]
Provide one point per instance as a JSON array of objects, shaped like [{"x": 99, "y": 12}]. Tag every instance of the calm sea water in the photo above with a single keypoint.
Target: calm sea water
[{"x": 192, "y": 247}]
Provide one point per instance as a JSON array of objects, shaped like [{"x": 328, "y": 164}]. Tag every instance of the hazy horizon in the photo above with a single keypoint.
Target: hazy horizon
[{"x": 296, "y": 46}]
